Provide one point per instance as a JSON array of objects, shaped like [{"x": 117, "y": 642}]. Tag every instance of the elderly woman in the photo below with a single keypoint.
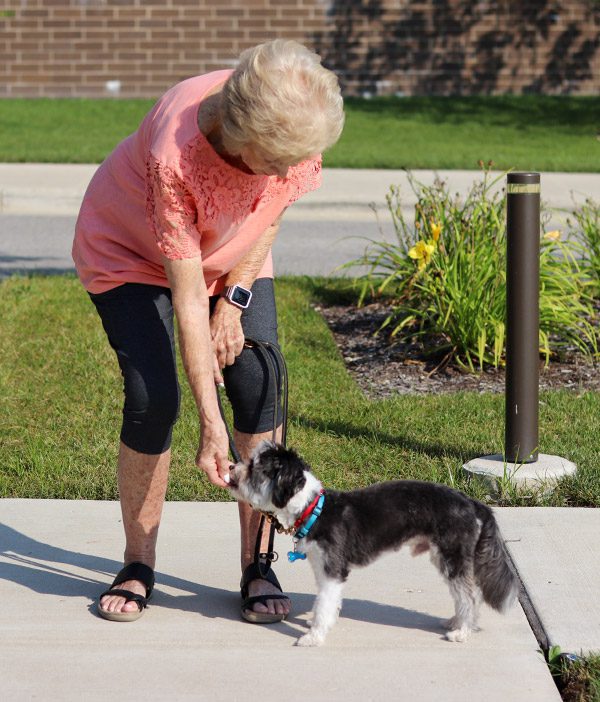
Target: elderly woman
[{"x": 180, "y": 220}]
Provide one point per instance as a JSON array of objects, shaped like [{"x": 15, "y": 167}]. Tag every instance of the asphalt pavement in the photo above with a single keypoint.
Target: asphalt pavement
[
  {"x": 56, "y": 556},
  {"x": 324, "y": 230}
]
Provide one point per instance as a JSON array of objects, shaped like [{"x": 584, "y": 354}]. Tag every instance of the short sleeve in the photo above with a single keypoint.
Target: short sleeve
[
  {"x": 171, "y": 212},
  {"x": 303, "y": 178}
]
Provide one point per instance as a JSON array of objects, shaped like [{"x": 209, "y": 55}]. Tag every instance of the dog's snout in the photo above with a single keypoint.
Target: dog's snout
[{"x": 236, "y": 474}]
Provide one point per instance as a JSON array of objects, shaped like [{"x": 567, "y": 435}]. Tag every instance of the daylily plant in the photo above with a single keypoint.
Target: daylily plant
[{"x": 462, "y": 303}]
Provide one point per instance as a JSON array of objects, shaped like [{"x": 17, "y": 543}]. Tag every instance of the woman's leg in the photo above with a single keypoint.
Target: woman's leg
[
  {"x": 138, "y": 320},
  {"x": 142, "y": 486},
  {"x": 249, "y": 523}
]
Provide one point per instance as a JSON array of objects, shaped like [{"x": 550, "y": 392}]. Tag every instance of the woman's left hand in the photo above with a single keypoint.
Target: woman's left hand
[{"x": 226, "y": 332}]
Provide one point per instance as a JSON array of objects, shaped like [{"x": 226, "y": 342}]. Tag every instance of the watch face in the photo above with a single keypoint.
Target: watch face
[{"x": 241, "y": 296}]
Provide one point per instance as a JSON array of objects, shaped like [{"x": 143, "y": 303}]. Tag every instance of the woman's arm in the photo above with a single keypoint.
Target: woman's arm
[
  {"x": 225, "y": 324},
  {"x": 190, "y": 302}
]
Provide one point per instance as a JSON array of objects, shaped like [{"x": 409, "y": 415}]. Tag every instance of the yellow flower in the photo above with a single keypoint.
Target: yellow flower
[
  {"x": 436, "y": 230},
  {"x": 554, "y": 235},
  {"x": 422, "y": 252}
]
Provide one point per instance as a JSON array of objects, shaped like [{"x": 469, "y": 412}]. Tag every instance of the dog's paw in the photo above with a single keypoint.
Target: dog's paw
[
  {"x": 450, "y": 624},
  {"x": 310, "y": 639},
  {"x": 458, "y": 635}
]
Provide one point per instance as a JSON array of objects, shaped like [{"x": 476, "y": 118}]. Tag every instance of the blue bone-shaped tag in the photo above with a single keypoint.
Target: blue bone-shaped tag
[{"x": 294, "y": 556}]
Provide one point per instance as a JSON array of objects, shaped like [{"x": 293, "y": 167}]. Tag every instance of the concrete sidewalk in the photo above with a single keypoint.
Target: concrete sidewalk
[
  {"x": 345, "y": 194},
  {"x": 56, "y": 556}
]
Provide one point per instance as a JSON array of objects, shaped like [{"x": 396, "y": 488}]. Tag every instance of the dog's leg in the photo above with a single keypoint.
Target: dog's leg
[
  {"x": 465, "y": 595},
  {"x": 452, "y": 623},
  {"x": 325, "y": 612}
]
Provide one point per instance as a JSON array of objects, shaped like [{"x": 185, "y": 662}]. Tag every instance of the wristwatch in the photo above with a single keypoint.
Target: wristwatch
[{"x": 237, "y": 295}]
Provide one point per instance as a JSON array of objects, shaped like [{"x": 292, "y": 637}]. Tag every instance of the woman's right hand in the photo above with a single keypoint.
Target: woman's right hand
[
  {"x": 213, "y": 453},
  {"x": 191, "y": 305}
]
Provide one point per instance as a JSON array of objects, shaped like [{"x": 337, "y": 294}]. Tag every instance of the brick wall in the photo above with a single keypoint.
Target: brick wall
[
  {"x": 138, "y": 48},
  {"x": 464, "y": 46}
]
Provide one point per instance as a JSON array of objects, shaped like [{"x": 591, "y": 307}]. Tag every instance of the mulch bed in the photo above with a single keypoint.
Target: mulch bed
[{"x": 383, "y": 367}]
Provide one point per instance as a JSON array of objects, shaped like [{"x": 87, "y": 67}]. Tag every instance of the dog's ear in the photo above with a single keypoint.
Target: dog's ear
[{"x": 289, "y": 480}]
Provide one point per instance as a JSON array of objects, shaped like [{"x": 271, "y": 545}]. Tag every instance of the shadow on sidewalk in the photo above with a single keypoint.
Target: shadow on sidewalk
[{"x": 51, "y": 570}]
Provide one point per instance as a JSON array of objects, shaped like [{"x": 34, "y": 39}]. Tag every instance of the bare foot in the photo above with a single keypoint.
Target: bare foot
[
  {"x": 263, "y": 587},
  {"x": 117, "y": 603}
]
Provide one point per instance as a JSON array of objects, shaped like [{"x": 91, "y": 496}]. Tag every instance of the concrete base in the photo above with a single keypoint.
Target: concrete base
[{"x": 497, "y": 473}]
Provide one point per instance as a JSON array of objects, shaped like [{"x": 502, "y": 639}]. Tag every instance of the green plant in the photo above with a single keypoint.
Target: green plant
[
  {"x": 555, "y": 660},
  {"x": 507, "y": 490},
  {"x": 577, "y": 677},
  {"x": 585, "y": 229},
  {"x": 446, "y": 275}
]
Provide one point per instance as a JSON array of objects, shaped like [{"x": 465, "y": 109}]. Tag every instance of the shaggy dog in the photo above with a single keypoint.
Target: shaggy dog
[{"x": 340, "y": 530}]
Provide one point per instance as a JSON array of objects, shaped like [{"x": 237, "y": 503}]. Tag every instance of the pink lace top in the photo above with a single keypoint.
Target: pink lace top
[{"x": 165, "y": 191}]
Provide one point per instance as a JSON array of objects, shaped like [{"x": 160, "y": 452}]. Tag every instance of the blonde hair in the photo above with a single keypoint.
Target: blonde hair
[{"x": 282, "y": 101}]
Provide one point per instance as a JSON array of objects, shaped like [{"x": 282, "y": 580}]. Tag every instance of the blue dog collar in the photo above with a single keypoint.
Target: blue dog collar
[
  {"x": 305, "y": 528},
  {"x": 308, "y": 524}
]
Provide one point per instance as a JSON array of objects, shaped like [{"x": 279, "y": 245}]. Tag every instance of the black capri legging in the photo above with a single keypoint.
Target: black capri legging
[{"x": 138, "y": 320}]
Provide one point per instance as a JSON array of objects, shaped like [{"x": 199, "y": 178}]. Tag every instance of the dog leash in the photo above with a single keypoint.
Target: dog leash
[
  {"x": 306, "y": 521},
  {"x": 268, "y": 352}
]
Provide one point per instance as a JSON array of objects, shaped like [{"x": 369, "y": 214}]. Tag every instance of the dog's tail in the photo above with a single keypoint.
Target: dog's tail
[{"x": 493, "y": 569}]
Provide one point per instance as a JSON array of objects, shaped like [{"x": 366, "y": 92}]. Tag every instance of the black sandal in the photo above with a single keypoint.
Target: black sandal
[
  {"x": 133, "y": 571},
  {"x": 260, "y": 571}
]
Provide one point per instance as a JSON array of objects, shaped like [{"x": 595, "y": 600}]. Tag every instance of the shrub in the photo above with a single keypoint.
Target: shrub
[{"x": 446, "y": 274}]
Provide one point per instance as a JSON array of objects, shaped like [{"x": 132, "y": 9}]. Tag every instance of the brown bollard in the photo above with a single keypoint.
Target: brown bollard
[{"x": 522, "y": 317}]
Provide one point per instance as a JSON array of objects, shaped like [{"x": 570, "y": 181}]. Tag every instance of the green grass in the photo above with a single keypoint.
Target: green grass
[
  {"x": 579, "y": 680},
  {"x": 523, "y": 132},
  {"x": 61, "y": 406},
  {"x": 66, "y": 130}
]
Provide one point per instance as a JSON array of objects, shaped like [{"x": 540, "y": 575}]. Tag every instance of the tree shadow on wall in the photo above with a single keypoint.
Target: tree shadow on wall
[{"x": 453, "y": 48}]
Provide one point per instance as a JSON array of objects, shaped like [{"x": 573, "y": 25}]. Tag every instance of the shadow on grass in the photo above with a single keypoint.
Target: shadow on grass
[
  {"x": 17, "y": 271},
  {"x": 512, "y": 111},
  {"x": 346, "y": 430}
]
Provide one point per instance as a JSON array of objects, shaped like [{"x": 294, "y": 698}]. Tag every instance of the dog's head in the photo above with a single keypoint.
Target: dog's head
[{"x": 274, "y": 480}]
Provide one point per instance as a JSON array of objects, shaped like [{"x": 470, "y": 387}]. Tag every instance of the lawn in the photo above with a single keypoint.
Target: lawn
[
  {"x": 61, "y": 393},
  {"x": 541, "y": 133}
]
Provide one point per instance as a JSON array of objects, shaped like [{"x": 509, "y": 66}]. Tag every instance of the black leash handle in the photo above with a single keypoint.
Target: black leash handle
[{"x": 267, "y": 351}]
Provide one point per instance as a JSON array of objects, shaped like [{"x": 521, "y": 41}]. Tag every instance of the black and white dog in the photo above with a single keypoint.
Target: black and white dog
[{"x": 340, "y": 530}]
